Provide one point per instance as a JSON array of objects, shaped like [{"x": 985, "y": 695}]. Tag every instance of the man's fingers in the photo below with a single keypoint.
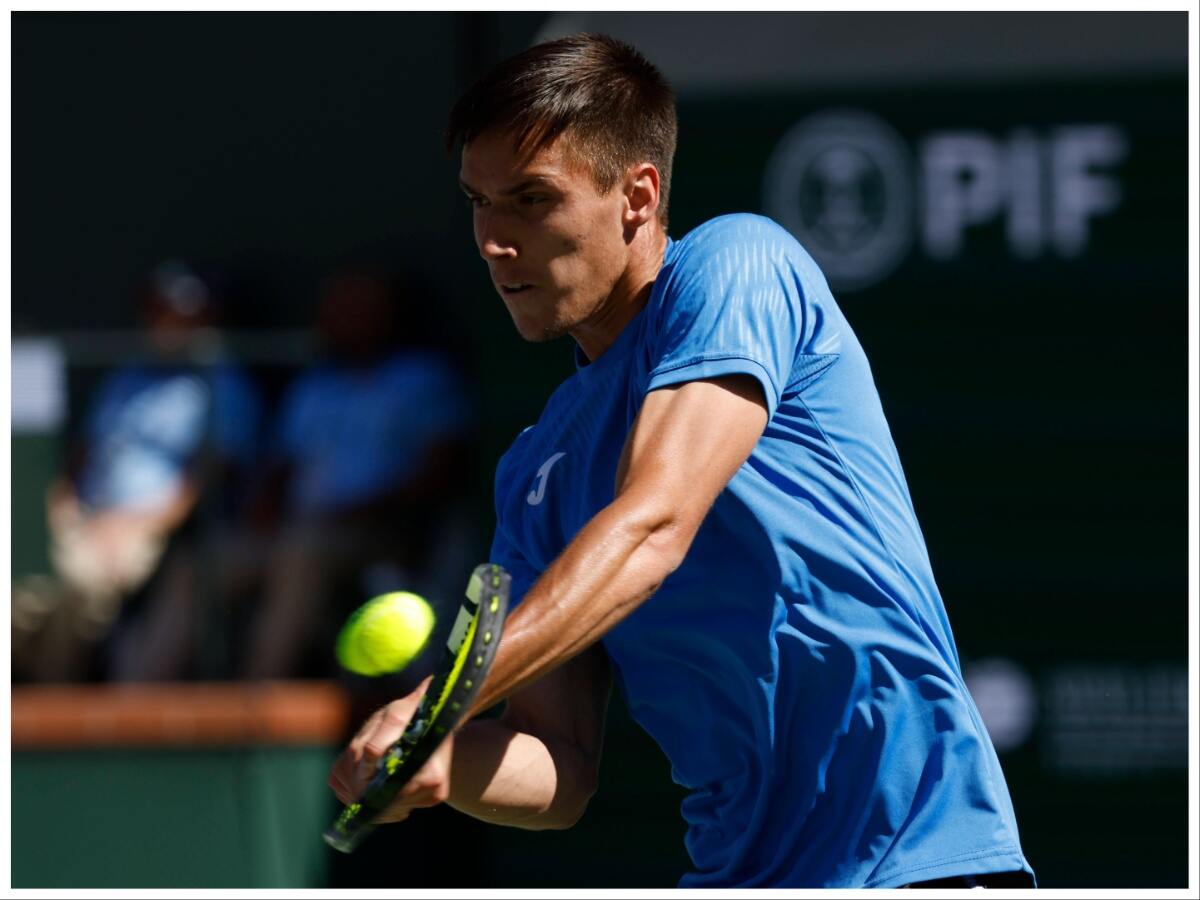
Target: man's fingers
[
  {"x": 341, "y": 790},
  {"x": 431, "y": 784},
  {"x": 387, "y": 730},
  {"x": 342, "y": 778},
  {"x": 364, "y": 733},
  {"x": 357, "y": 764},
  {"x": 387, "y": 723}
]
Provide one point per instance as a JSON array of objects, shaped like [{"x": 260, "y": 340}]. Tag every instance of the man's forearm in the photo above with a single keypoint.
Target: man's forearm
[
  {"x": 614, "y": 563},
  {"x": 508, "y": 777}
]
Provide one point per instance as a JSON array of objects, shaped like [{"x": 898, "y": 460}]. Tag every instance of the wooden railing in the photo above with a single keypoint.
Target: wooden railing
[{"x": 182, "y": 715}]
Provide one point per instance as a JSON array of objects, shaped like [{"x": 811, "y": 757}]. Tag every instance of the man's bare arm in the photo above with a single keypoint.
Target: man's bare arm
[
  {"x": 535, "y": 768},
  {"x": 552, "y": 733},
  {"x": 685, "y": 445}
]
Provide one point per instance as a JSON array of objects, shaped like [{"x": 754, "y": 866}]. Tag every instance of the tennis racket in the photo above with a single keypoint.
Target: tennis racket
[{"x": 468, "y": 654}]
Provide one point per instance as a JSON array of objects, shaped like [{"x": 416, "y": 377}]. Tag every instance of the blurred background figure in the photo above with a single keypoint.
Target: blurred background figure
[
  {"x": 159, "y": 433},
  {"x": 356, "y": 496}
]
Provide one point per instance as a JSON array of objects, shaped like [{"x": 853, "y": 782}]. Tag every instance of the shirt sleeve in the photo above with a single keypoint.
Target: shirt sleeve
[
  {"x": 506, "y": 542},
  {"x": 506, "y": 554},
  {"x": 739, "y": 299}
]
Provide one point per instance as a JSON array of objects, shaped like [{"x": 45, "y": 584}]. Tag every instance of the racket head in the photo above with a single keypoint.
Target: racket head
[{"x": 468, "y": 654}]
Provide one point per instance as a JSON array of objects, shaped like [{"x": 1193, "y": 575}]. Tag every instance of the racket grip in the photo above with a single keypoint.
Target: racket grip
[{"x": 348, "y": 831}]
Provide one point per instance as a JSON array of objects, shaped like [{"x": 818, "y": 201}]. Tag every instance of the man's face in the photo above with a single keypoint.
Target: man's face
[{"x": 555, "y": 246}]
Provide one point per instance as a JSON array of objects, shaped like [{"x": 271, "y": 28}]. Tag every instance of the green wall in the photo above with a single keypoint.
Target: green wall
[
  {"x": 163, "y": 818},
  {"x": 252, "y": 817}
]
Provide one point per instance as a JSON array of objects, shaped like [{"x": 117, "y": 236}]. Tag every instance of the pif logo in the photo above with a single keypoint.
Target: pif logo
[
  {"x": 846, "y": 185},
  {"x": 841, "y": 183}
]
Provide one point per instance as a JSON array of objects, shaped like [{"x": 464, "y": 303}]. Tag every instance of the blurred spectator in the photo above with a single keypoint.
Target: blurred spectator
[
  {"x": 157, "y": 435},
  {"x": 356, "y": 497}
]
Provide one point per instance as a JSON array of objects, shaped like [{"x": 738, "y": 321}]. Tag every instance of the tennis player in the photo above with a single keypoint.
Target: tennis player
[{"x": 712, "y": 511}]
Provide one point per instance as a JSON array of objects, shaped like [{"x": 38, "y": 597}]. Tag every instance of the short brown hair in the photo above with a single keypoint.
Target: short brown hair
[{"x": 617, "y": 107}]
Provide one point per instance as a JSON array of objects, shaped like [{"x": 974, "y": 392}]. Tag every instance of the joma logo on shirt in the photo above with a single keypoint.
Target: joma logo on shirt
[{"x": 543, "y": 474}]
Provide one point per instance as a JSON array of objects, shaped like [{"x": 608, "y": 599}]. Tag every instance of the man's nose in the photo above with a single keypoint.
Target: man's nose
[
  {"x": 494, "y": 249},
  {"x": 493, "y": 243}
]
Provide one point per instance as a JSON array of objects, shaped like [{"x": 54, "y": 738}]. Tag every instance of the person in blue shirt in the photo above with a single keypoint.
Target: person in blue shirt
[
  {"x": 366, "y": 455},
  {"x": 361, "y": 463},
  {"x": 161, "y": 434},
  {"x": 711, "y": 512}
]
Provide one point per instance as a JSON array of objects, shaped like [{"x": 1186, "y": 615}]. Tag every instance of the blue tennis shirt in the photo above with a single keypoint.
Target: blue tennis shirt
[{"x": 798, "y": 669}]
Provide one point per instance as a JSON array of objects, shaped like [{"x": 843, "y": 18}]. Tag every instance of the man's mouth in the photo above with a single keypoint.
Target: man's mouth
[{"x": 514, "y": 287}]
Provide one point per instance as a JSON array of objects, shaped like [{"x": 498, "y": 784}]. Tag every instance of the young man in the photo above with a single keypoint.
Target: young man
[{"x": 713, "y": 507}]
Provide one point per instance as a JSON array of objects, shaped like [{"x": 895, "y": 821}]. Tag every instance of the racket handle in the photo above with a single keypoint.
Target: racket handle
[{"x": 346, "y": 838}]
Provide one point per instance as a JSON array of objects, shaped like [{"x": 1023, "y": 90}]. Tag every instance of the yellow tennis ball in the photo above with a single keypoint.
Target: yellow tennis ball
[{"x": 385, "y": 634}]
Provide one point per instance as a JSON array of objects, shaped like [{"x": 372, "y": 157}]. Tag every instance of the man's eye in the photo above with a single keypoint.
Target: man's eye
[
  {"x": 476, "y": 201},
  {"x": 531, "y": 199}
]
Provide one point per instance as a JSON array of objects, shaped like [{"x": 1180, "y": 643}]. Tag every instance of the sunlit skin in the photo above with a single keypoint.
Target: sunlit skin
[{"x": 585, "y": 261}]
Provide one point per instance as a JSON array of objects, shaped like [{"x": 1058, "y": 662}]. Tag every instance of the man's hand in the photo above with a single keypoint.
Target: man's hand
[{"x": 358, "y": 763}]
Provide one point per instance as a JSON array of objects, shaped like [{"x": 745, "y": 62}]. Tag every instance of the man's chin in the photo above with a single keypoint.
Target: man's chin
[{"x": 538, "y": 333}]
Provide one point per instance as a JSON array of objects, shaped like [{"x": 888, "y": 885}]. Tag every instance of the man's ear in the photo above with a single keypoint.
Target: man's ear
[{"x": 641, "y": 194}]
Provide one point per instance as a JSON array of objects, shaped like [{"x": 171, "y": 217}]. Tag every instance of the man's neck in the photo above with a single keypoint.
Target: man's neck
[{"x": 627, "y": 299}]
